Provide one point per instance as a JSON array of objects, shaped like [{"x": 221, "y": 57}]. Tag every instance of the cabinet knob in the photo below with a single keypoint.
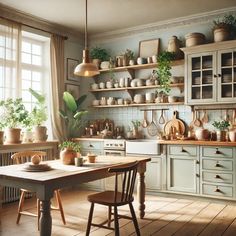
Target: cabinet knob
[
  {"x": 217, "y": 177},
  {"x": 217, "y": 190},
  {"x": 215, "y": 76},
  {"x": 217, "y": 152},
  {"x": 197, "y": 162},
  {"x": 90, "y": 145},
  {"x": 219, "y": 75},
  {"x": 217, "y": 165},
  {"x": 197, "y": 175}
]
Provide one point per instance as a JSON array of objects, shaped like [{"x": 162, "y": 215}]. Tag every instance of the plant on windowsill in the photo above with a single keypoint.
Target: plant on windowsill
[
  {"x": 69, "y": 150},
  {"x": 2, "y": 126},
  {"x": 13, "y": 113},
  {"x": 98, "y": 55},
  {"x": 221, "y": 127},
  {"x": 38, "y": 116},
  {"x": 73, "y": 114},
  {"x": 224, "y": 28}
]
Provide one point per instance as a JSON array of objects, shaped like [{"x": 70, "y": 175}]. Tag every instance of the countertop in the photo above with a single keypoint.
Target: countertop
[{"x": 178, "y": 142}]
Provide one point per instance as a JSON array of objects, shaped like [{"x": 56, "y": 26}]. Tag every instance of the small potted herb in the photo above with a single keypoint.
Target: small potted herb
[
  {"x": 136, "y": 124},
  {"x": 224, "y": 28},
  {"x": 69, "y": 151},
  {"x": 13, "y": 113},
  {"x": 98, "y": 55},
  {"x": 221, "y": 127}
]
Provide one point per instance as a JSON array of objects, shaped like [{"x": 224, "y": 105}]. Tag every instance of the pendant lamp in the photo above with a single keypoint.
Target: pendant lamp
[{"x": 86, "y": 69}]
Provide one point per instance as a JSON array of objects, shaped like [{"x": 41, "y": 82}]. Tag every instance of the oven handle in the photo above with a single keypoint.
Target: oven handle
[{"x": 107, "y": 151}]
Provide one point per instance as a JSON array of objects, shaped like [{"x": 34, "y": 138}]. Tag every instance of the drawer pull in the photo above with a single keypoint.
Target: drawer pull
[
  {"x": 217, "y": 190},
  {"x": 197, "y": 175},
  {"x": 217, "y": 165},
  {"x": 217, "y": 152},
  {"x": 217, "y": 177},
  {"x": 183, "y": 150},
  {"x": 90, "y": 145}
]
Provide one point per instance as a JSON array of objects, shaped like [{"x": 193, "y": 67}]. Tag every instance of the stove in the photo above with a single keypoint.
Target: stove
[{"x": 114, "y": 147}]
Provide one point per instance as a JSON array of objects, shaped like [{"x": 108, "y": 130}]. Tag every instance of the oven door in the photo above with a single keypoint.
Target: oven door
[{"x": 114, "y": 152}]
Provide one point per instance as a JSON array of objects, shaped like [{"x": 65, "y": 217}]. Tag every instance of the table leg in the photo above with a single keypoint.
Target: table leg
[
  {"x": 141, "y": 188},
  {"x": 45, "y": 218}
]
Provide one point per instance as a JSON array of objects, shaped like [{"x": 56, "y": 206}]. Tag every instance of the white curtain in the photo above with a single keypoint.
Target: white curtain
[
  {"x": 57, "y": 85},
  {"x": 10, "y": 41}
]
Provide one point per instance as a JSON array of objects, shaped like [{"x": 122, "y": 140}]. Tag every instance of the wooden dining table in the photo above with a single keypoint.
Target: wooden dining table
[{"x": 64, "y": 176}]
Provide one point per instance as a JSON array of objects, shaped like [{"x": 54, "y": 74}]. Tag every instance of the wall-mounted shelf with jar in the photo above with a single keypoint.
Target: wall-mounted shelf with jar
[{"x": 211, "y": 73}]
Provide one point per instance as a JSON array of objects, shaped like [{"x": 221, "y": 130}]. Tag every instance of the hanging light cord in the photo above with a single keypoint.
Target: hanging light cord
[{"x": 86, "y": 24}]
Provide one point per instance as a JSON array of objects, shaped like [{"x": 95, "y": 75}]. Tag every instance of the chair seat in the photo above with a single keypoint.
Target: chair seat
[{"x": 107, "y": 198}]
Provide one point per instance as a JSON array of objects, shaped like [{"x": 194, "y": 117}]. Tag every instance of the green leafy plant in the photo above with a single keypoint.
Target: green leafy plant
[
  {"x": 13, "y": 113},
  {"x": 71, "y": 145},
  {"x": 136, "y": 123},
  {"x": 163, "y": 70},
  {"x": 99, "y": 53},
  {"x": 221, "y": 125},
  {"x": 39, "y": 112},
  {"x": 129, "y": 54},
  {"x": 72, "y": 115},
  {"x": 228, "y": 21}
]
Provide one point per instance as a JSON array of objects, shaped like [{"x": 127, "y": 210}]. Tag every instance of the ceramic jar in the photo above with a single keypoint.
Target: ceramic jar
[
  {"x": 193, "y": 39},
  {"x": 154, "y": 58},
  {"x": 122, "y": 82},
  {"x": 120, "y": 101},
  {"x": 95, "y": 102},
  {"x": 109, "y": 84},
  {"x": 110, "y": 101},
  {"x": 102, "y": 85},
  {"x": 174, "y": 46},
  {"x": 103, "y": 101},
  {"x": 141, "y": 60},
  {"x": 139, "y": 98},
  {"x": 67, "y": 156},
  {"x": 221, "y": 135},
  {"x": 105, "y": 65},
  {"x": 232, "y": 135},
  {"x": 202, "y": 134},
  {"x": 149, "y": 97},
  {"x": 94, "y": 86},
  {"x": 133, "y": 83}
]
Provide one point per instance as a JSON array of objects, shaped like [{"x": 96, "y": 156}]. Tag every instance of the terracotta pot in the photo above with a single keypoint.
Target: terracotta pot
[
  {"x": 12, "y": 135},
  {"x": 67, "y": 156},
  {"x": 221, "y": 135},
  {"x": 91, "y": 157},
  {"x": 1, "y": 137},
  {"x": 202, "y": 134},
  {"x": 40, "y": 134},
  {"x": 232, "y": 135},
  {"x": 221, "y": 34},
  {"x": 193, "y": 39}
]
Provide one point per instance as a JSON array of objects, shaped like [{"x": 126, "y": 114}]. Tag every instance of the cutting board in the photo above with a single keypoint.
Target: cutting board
[{"x": 175, "y": 125}]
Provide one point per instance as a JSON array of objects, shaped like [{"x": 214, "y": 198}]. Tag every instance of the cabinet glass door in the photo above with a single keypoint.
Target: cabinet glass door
[
  {"x": 227, "y": 75},
  {"x": 201, "y": 78}
]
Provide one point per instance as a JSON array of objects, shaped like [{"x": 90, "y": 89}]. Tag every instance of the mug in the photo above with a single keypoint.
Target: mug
[{"x": 79, "y": 161}]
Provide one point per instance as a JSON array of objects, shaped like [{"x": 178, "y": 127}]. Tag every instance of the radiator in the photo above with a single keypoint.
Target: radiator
[{"x": 10, "y": 194}]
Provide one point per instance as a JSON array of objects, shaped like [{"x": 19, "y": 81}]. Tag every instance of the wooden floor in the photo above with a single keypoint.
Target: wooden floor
[{"x": 164, "y": 216}]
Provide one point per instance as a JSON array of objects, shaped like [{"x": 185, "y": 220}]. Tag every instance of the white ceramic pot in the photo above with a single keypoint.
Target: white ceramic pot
[
  {"x": 105, "y": 65},
  {"x": 120, "y": 101},
  {"x": 172, "y": 99},
  {"x": 109, "y": 84},
  {"x": 103, "y": 101},
  {"x": 232, "y": 135},
  {"x": 133, "y": 83},
  {"x": 149, "y": 97},
  {"x": 95, "y": 102},
  {"x": 150, "y": 82},
  {"x": 94, "y": 86},
  {"x": 102, "y": 85},
  {"x": 110, "y": 101},
  {"x": 139, "y": 98},
  {"x": 122, "y": 82},
  {"x": 116, "y": 85}
]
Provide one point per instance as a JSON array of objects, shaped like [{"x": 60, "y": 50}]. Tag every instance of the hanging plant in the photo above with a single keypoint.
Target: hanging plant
[{"x": 163, "y": 70}]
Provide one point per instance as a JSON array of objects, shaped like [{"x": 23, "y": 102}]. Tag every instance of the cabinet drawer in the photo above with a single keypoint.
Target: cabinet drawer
[
  {"x": 91, "y": 145},
  {"x": 84, "y": 152},
  {"x": 182, "y": 150},
  {"x": 225, "y": 165},
  {"x": 217, "y": 152},
  {"x": 217, "y": 190},
  {"x": 217, "y": 177}
]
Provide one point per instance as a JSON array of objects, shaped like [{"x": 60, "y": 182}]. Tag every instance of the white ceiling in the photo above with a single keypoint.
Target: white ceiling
[{"x": 109, "y": 15}]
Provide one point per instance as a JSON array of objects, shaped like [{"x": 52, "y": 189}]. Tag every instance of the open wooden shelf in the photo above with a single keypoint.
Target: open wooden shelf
[
  {"x": 138, "y": 67},
  {"x": 138, "y": 105},
  {"x": 134, "y": 88}
]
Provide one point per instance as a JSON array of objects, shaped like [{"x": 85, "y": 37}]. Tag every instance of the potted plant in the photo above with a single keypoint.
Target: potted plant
[
  {"x": 38, "y": 116},
  {"x": 72, "y": 115},
  {"x": 13, "y": 113},
  {"x": 69, "y": 151},
  {"x": 224, "y": 28},
  {"x": 221, "y": 127},
  {"x": 2, "y": 126},
  {"x": 163, "y": 72},
  {"x": 98, "y": 55},
  {"x": 128, "y": 58},
  {"x": 136, "y": 124}
]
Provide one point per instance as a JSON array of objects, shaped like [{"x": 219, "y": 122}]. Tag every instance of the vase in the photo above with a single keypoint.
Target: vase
[
  {"x": 221, "y": 34},
  {"x": 232, "y": 135},
  {"x": 221, "y": 135},
  {"x": 40, "y": 134},
  {"x": 174, "y": 46},
  {"x": 12, "y": 135},
  {"x": 135, "y": 132},
  {"x": 97, "y": 62},
  {"x": 27, "y": 136},
  {"x": 67, "y": 156},
  {"x": 1, "y": 137}
]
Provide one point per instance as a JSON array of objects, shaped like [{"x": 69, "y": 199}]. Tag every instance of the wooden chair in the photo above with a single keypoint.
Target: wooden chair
[
  {"x": 116, "y": 198},
  {"x": 20, "y": 158}
]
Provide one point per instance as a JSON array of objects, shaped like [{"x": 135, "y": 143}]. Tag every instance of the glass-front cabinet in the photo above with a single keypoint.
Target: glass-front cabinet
[{"x": 211, "y": 73}]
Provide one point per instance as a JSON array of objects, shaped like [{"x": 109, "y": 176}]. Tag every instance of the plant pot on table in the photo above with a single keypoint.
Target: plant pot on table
[{"x": 67, "y": 156}]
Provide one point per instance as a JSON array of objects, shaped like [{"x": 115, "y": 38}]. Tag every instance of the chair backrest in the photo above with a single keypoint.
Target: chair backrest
[
  {"x": 25, "y": 156},
  {"x": 129, "y": 173}
]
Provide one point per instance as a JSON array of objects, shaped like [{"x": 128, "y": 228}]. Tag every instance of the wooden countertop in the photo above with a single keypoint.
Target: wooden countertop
[{"x": 197, "y": 142}]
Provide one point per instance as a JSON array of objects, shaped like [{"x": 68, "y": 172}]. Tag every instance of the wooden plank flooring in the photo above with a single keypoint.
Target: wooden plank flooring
[{"x": 165, "y": 216}]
